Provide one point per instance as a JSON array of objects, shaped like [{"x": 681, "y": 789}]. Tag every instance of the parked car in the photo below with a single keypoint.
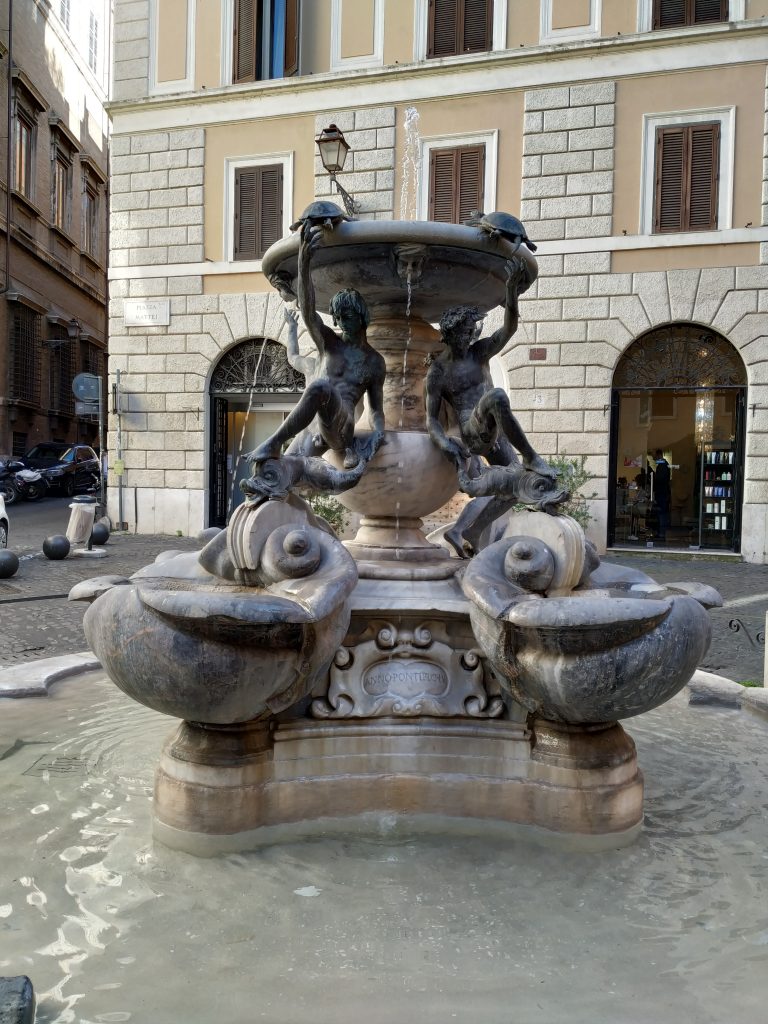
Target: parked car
[
  {"x": 3, "y": 524},
  {"x": 68, "y": 468}
]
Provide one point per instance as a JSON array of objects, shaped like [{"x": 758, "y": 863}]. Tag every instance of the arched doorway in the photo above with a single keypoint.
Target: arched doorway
[
  {"x": 253, "y": 387},
  {"x": 679, "y": 394}
]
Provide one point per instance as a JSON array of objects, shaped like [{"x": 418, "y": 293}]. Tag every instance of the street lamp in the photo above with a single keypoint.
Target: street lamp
[
  {"x": 73, "y": 329},
  {"x": 333, "y": 153}
]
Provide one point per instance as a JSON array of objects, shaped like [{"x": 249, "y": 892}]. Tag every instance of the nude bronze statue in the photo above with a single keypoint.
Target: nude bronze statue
[
  {"x": 460, "y": 377},
  {"x": 348, "y": 369}
]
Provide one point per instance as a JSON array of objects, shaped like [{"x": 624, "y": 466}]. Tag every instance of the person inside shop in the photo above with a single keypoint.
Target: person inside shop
[
  {"x": 638, "y": 508},
  {"x": 662, "y": 491}
]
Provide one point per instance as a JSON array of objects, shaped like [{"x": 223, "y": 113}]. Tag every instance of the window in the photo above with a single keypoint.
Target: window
[
  {"x": 687, "y": 163},
  {"x": 25, "y": 355},
  {"x": 64, "y": 13},
  {"x": 19, "y": 444},
  {"x": 459, "y": 26},
  {"x": 63, "y": 149},
  {"x": 91, "y": 219},
  {"x": 23, "y": 175},
  {"x": 258, "y": 210},
  {"x": 93, "y": 42},
  {"x": 456, "y": 183},
  {"x": 265, "y": 39},
  {"x": 61, "y": 371},
  {"x": 672, "y": 13},
  {"x": 92, "y": 358}
]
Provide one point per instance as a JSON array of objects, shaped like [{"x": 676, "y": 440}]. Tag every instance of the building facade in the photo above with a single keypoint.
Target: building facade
[
  {"x": 631, "y": 138},
  {"x": 53, "y": 85}
]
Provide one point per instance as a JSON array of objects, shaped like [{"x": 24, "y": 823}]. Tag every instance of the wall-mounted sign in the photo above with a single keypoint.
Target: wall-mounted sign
[{"x": 147, "y": 312}]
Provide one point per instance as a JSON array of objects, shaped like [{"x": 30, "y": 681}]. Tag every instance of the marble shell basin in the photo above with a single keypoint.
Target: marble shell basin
[
  {"x": 188, "y": 644},
  {"x": 593, "y": 656},
  {"x": 449, "y": 264},
  {"x": 408, "y": 476}
]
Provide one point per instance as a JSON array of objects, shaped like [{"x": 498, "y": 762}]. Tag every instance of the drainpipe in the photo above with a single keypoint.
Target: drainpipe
[{"x": 9, "y": 153}]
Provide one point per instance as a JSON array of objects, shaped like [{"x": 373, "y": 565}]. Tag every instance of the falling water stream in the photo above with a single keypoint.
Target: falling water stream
[{"x": 111, "y": 927}]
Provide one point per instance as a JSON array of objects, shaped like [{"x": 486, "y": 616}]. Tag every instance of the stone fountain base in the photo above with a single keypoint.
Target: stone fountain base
[{"x": 408, "y": 733}]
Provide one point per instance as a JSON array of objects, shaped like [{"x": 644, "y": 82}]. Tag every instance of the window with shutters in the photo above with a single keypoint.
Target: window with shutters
[
  {"x": 265, "y": 39},
  {"x": 258, "y": 209},
  {"x": 677, "y": 13},
  {"x": 687, "y": 182},
  {"x": 459, "y": 26},
  {"x": 687, "y": 158},
  {"x": 456, "y": 183}
]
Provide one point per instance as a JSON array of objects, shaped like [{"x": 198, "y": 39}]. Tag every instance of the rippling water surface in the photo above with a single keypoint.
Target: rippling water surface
[{"x": 111, "y": 928}]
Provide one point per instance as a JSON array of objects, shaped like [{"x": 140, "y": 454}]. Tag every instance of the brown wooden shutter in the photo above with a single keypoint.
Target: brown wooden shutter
[
  {"x": 443, "y": 36},
  {"x": 670, "y": 152},
  {"x": 708, "y": 10},
  {"x": 670, "y": 13},
  {"x": 459, "y": 26},
  {"x": 704, "y": 149},
  {"x": 258, "y": 210},
  {"x": 471, "y": 174},
  {"x": 244, "y": 61},
  {"x": 291, "y": 58},
  {"x": 456, "y": 178},
  {"x": 687, "y": 159},
  {"x": 478, "y": 26}
]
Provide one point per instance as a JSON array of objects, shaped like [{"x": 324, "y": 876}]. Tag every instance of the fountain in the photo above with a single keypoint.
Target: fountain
[{"x": 388, "y": 682}]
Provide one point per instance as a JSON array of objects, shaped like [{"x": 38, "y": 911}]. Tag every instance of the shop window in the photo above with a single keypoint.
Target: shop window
[
  {"x": 676, "y": 13},
  {"x": 456, "y": 183},
  {"x": 25, "y": 354},
  {"x": 265, "y": 39},
  {"x": 258, "y": 210},
  {"x": 687, "y": 159},
  {"x": 459, "y": 26}
]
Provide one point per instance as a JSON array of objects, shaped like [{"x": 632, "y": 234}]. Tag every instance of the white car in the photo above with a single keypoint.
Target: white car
[{"x": 3, "y": 524}]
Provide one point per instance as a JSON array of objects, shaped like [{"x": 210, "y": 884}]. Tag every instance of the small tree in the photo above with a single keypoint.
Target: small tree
[
  {"x": 572, "y": 475},
  {"x": 331, "y": 510}
]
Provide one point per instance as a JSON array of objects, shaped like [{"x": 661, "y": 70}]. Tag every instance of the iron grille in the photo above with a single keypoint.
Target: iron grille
[
  {"x": 680, "y": 355},
  {"x": 256, "y": 365},
  {"x": 25, "y": 355},
  {"x": 61, "y": 371},
  {"x": 19, "y": 444},
  {"x": 92, "y": 359}
]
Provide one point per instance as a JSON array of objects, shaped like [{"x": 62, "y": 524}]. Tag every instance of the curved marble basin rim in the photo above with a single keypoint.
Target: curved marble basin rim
[
  {"x": 459, "y": 263},
  {"x": 197, "y": 605}
]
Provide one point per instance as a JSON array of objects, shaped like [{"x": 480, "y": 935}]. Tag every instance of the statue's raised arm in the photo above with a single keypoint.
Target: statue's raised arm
[
  {"x": 486, "y": 348},
  {"x": 319, "y": 333}
]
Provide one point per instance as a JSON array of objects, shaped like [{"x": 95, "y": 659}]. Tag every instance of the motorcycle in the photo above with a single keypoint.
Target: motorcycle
[
  {"x": 8, "y": 469},
  {"x": 31, "y": 484}
]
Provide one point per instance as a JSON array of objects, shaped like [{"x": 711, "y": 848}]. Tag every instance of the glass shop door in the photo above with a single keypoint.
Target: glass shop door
[{"x": 677, "y": 469}]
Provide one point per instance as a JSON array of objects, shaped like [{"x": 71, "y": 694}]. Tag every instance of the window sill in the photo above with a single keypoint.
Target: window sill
[
  {"x": 63, "y": 236},
  {"x": 92, "y": 262},
  {"x": 26, "y": 204}
]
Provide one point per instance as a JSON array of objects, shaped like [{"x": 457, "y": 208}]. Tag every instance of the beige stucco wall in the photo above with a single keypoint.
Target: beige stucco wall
[
  {"x": 522, "y": 24},
  {"x": 570, "y": 13},
  {"x": 172, "y": 18},
  {"x": 740, "y": 86},
  {"x": 687, "y": 257},
  {"x": 398, "y": 32},
  {"x": 357, "y": 28},
  {"x": 618, "y": 19},
  {"x": 757, "y": 8},
  {"x": 254, "y": 138},
  {"x": 208, "y": 44},
  {"x": 502, "y": 111}
]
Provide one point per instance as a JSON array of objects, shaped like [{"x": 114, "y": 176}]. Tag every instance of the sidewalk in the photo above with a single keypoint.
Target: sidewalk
[{"x": 38, "y": 621}]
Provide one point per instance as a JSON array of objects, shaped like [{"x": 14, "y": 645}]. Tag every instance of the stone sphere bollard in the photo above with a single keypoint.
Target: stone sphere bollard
[
  {"x": 99, "y": 534},
  {"x": 56, "y": 547},
  {"x": 9, "y": 564}
]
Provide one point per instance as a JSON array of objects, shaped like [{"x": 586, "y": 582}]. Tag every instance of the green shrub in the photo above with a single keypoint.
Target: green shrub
[
  {"x": 331, "y": 510},
  {"x": 573, "y": 476}
]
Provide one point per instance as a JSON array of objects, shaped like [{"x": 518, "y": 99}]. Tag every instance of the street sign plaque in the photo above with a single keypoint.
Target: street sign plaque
[
  {"x": 86, "y": 387},
  {"x": 86, "y": 408}
]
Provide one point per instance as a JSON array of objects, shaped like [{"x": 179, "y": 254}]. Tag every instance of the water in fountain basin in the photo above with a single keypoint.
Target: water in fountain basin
[
  {"x": 113, "y": 928},
  {"x": 410, "y": 165}
]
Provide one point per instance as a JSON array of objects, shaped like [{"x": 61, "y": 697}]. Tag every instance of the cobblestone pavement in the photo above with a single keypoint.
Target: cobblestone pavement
[{"x": 38, "y": 622}]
